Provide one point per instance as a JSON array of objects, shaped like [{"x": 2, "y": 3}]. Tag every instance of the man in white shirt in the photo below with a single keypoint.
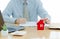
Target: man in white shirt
[{"x": 15, "y": 9}]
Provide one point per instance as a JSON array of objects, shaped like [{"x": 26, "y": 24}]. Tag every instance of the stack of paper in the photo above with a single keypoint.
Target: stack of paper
[{"x": 29, "y": 24}]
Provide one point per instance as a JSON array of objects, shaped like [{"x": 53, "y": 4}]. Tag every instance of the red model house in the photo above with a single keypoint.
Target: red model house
[{"x": 40, "y": 25}]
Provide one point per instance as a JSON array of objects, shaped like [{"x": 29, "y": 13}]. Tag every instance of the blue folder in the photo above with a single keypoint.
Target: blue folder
[{"x": 12, "y": 28}]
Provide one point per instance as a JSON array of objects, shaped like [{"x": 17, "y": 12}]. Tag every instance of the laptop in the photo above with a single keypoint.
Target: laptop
[
  {"x": 55, "y": 26},
  {"x": 11, "y": 28}
]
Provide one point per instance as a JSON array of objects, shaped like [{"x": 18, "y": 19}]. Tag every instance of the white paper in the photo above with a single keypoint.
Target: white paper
[
  {"x": 19, "y": 33},
  {"x": 29, "y": 24}
]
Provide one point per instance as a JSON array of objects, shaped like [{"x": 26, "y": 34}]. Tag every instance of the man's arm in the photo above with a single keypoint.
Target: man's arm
[
  {"x": 41, "y": 12},
  {"x": 8, "y": 12}
]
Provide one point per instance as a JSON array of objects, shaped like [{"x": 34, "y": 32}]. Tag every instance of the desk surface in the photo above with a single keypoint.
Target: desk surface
[{"x": 33, "y": 33}]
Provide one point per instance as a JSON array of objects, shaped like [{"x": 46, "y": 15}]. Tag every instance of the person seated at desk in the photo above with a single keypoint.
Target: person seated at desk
[{"x": 24, "y": 10}]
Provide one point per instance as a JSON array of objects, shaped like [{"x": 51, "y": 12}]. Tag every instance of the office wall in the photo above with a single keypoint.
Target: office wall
[
  {"x": 3, "y": 4},
  {"x": 51, "y": 6}
]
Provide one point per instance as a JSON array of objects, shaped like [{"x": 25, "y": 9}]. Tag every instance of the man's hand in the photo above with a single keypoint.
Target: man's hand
[
  {"x": 46, "y": 20},
  {"x": 20, "y": 21}
]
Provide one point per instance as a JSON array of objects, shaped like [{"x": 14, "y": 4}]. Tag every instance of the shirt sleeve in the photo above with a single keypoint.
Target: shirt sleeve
[
  {"x": 8, "y": 12},
  {"x": 41, "y": 12}
]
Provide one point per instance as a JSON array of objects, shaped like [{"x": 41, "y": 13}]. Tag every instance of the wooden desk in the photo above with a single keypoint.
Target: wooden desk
[{"x": 33, "y": 33}]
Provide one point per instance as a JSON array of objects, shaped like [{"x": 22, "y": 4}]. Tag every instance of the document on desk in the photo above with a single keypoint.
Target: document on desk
[
  {"x": 18, "y": 33},
  {"x": 29, "y": 24}
]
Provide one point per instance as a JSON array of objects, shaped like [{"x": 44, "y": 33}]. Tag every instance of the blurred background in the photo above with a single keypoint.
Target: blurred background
[{"x": 51, "y": 6}]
